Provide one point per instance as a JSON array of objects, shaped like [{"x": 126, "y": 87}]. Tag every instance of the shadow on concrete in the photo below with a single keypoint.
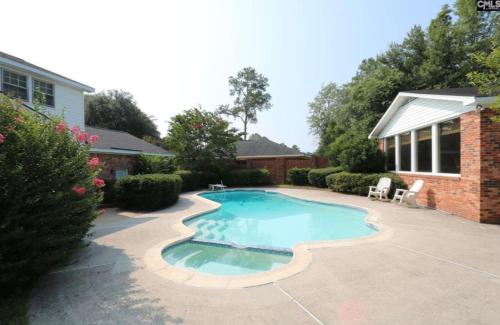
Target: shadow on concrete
[
  {"x": 101, "y": 293},
  {"x": 116, "y": 220}
]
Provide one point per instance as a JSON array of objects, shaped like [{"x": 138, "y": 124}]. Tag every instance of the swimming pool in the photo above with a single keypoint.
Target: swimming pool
[{"x": 255, "y": 231}]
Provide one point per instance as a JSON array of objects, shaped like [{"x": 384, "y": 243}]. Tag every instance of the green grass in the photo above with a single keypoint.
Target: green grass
[{"x": 14, "y": 308}]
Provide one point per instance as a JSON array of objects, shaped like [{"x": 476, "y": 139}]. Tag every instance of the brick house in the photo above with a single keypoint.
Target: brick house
[
  {"x": 118, "y": 151},
  {"x": 445, "y": 137},
  {"x": 260, "y": 152}
]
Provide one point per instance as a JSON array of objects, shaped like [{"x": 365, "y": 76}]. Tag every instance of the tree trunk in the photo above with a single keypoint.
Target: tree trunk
[{"x": 245, "y": 129}]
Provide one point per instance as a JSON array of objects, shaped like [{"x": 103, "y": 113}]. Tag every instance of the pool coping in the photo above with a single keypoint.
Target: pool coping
[{"x": 301, "y": 259}]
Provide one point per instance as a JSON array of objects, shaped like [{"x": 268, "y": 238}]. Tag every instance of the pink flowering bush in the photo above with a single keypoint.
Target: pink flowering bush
[{"x": 49, "y": 193}]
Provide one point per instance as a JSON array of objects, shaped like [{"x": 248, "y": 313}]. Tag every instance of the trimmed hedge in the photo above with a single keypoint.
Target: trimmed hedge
[
  {"x": 148, "y": 191},
  {"x": 298, "y": 176},
  {"x": 317, "y": 176},
  {"x": 192, "y": 180},
  {"x": 109, "y": 192},
  {"x": 358, "y": 183},
  {"x": 247, "y": 177}
]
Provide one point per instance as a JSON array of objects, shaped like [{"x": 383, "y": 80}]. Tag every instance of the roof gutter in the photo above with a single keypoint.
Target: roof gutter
[{"x": 128, "y": 152}]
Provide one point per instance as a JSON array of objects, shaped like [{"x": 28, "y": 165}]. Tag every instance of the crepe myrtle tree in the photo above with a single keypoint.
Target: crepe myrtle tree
[
  {"x": 200, "y": 139},
  {"x": 250, "y": 97},
  {"x": 49, "y": 192}
]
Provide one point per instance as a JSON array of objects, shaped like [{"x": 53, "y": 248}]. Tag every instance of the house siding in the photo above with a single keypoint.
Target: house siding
[
  {"x": 67, "y": 100},
  {"x": 422, "y": 112},
  {"x": 475, "y": 194}
]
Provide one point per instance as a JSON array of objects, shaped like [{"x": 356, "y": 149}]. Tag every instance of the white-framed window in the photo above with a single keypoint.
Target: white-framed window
[
  {"x": 391, "y": 153},
  {"x": 424, "y": 150},
  {"x": 437, "y": 149},
  {"x": 15, "y": 84},
  {"x": 43, "y": 92},
  {"x": 449, "y": 146}
]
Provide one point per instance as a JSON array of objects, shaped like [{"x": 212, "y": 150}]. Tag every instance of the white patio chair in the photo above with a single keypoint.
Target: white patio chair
[
  {"x": 215, "y": 187},
  {"x": 409, "y": 196},
  {"x": 381, "y": 191}
]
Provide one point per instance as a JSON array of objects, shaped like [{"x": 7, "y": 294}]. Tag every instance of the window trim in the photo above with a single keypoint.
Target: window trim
[
  {"x": 434, "y": 147},
  {"x": 2, "y": 74},
  {"x": 33, "y": 79}
]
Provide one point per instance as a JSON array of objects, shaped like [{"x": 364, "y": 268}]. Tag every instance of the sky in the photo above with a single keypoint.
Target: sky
[{"x": 174, "y": 55}]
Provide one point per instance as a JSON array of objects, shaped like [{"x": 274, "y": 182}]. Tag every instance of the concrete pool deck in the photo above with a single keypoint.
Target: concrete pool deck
[{"x": 434, "y": 268}]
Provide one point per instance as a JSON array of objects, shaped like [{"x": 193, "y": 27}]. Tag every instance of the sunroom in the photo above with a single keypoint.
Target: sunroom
[{"x": 443, "y": 137}]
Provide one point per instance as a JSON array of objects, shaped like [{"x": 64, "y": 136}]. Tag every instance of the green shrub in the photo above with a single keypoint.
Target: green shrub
[
  {"x": 358, "y": 183},
  {"x": 317, "y": 176},
  {"x": 247, "y": 177},
  {"x": 355, "y": 153},
  {"x": 47, "y": 195},
  {"x": 298, "y": 176},
  {"x": 148, "y": 191},
  {"x": 109, "y": 192},
  {"x": 190, "y": 180},
  {"x": 148, "y": 164}
]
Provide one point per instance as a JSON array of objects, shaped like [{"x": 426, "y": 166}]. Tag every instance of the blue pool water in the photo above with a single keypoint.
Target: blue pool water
[{"x": 260, "y": 219}]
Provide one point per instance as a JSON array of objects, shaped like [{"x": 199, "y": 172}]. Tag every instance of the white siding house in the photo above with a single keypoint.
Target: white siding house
[{"x": 60, "y": 94}]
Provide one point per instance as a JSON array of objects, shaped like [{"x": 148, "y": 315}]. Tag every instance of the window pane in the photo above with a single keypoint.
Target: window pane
[
  {"x": 405, "y": 149},
  {"x": 449, "y": 146},
  {"x": 391, "y": 154},
  {"x": 14, "y": 85},
  {"x": 424, "y": 137},
  {"x": 43, "y": 92}
]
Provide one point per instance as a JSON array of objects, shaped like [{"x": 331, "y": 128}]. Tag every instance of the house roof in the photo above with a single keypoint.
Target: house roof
[
  {"x": 467, "y": 98},
  {"x": 16, "y": 62},
  {"x": 119, "y": 142},
  {"x": 263, "y": 147},
  {"x": 467, "y": 92}
]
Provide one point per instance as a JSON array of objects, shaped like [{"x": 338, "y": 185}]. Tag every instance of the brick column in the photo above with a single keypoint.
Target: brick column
[{"x": 490, "y": 168}]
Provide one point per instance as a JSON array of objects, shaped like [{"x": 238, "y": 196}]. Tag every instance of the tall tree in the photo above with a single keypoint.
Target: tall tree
[
  {"x": 441, "y": 69},
  {"x": 321, "y": 108},
  {"x": 249, "y": 89},
  {"x": 473, "y": 32},
  {"x": 200, "y": 139},
  {"x": 117, "y": 110},
  {"x": 488, "y": 79}
]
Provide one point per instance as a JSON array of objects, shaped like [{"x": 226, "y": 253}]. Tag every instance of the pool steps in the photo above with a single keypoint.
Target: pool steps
[{"x": 278, "y": 250}]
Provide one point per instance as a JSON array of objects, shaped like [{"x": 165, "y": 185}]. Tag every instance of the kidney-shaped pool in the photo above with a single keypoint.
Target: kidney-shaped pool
[{"x": 254, "y": 231}]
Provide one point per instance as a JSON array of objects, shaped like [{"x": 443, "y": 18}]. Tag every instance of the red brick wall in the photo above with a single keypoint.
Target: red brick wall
[
  {"x": 110, "y": 163},
  {"x": 474, "y": 195},
  {"x": 278, "y": 167},
  {"x": 490, "y": 169}
]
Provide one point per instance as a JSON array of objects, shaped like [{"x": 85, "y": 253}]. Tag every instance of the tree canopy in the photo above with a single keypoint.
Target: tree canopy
[
  {"x": 117, "y": 110},
  {"x": 456, "y": 46},
  {"x": 200, "y": 139},
  {"x": 249, "y": 89}
]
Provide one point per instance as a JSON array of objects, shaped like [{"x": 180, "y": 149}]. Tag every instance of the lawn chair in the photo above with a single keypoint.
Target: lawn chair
[
  {"x": 409, "y": 196},
  {"x": 216, "y": 187},
  {"x": 381, "y": 191}
]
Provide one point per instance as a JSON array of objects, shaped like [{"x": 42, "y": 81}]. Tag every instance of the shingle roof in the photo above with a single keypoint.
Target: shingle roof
[
  {"x": 264, "y": 147},
  {"x": 113, "y": 140},
  {"x": 31, "y": 65},
  {"x": 469, "y": 91}
]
